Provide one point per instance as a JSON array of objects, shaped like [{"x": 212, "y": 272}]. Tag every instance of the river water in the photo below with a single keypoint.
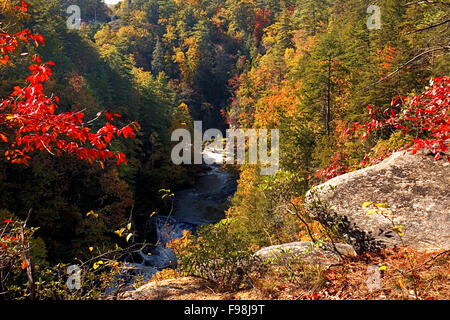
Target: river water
[{"x": 203, "y": 204}]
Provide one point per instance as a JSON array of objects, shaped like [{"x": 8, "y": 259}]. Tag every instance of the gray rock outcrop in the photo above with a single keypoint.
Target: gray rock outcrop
[
  {"x": 417, "y": 189},
  {"x": 307, "y": 252}
]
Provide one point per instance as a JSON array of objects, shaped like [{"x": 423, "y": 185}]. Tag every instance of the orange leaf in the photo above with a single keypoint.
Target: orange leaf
[
  {"x": 401, "y": 284},
  {"x": 24, "y": 264},
  {"x": 4, "y": 60}
]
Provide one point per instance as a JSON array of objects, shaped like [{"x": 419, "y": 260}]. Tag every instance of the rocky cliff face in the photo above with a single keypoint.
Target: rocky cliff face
[{"x": 417, "y": 189}]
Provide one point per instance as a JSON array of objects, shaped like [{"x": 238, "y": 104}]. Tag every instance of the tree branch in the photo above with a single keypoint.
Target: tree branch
[
  {"x": 27, "y": 257},
  {"x": 425, "y": 2},
  {"x": 407, "y": 63},
  {"x": 430, "y": 27}
]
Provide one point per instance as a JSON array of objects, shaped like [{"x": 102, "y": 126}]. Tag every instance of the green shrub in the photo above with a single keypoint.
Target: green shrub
[{"x": 216, "y": 254}]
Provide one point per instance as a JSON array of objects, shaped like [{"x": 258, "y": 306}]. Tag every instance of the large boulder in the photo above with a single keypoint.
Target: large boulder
[
  {"x": 417, "y": 189},
  {"x": 307, "y": 252}
]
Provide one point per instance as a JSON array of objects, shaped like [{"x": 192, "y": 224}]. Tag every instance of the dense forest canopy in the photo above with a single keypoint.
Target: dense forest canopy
[{"x": 307, "y": 67}]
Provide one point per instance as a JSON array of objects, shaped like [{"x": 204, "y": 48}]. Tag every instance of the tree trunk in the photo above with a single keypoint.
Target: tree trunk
[{"x": 328, "y": 107}]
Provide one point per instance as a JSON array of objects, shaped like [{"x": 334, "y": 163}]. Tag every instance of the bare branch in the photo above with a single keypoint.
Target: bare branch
[
  {"x": 407, "y": 63},
  {"x": 426, "y": 2},
  {"x": 430, "y": 27}
]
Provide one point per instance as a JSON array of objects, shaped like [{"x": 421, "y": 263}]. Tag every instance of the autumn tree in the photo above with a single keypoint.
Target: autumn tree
[{"x": 29, "y": 122}]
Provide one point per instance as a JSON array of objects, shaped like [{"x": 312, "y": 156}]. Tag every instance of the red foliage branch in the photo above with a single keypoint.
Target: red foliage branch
[
  {"x": 28, "y": 119},
  {"x": 336, "y": 168},
  {"x": 427, "y": 115}
]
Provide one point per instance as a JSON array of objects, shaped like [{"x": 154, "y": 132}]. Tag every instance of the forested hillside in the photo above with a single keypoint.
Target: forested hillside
[{"x": 343, "y": 95}]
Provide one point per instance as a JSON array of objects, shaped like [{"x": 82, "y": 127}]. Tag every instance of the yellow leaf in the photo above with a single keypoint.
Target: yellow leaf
[
  {"x": 398, "y": 230},
  {"x": 129, "y": 236},
  {"x": 119, "y": 232},
  {"x": 97, "y": 264},
  {"x": 382, "y": 205},
  {"x": 366, "y": 204},
  {"x": 92, "y": 213},
  {"x": 129, "y": 226},
  {"x": 91, "y": 248},
  {"x": 383, "y": 268},
  {"x": 372, "y": 212},
  {"x": 152, "y": 214}
]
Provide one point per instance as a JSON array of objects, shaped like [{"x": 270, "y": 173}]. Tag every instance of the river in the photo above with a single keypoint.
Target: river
[{"x": 203, "y": 204}]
